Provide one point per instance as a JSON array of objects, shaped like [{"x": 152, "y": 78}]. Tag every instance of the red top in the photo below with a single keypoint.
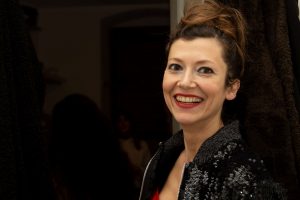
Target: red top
[{"x": 155, "y": 196}]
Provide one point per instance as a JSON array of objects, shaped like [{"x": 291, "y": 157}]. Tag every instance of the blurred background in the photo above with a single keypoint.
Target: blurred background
[{"x": 110, "y": 50}]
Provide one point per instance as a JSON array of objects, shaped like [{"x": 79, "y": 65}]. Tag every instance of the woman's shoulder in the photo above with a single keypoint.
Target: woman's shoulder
[{"x": 245, "y": 171}]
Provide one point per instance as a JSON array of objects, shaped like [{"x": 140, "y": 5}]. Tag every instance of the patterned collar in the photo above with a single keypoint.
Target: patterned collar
[{"x": 211, "y": 146}]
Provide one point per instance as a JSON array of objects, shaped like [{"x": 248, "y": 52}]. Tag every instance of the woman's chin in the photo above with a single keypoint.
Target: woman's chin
[{"x": 185, "y": 121}]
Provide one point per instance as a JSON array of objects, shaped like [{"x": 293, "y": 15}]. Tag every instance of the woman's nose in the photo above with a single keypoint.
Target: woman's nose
[{"x": 187, "y": 81}]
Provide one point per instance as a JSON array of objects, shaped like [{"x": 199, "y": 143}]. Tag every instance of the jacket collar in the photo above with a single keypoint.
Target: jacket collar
[{"x": 210, "y": 147}]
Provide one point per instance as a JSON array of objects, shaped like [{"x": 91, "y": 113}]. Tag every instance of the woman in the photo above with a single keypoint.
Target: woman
[{"x": 208, "y": 158}]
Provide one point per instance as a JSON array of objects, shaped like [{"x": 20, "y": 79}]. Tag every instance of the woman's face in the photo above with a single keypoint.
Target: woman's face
[{"x": 194, "y": 81}]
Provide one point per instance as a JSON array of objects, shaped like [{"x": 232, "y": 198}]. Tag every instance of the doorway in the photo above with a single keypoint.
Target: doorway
[{"x": 137, "y": 58}]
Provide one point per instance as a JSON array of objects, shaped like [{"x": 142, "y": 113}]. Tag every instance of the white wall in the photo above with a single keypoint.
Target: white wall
[{"x": 69, "y": 45}]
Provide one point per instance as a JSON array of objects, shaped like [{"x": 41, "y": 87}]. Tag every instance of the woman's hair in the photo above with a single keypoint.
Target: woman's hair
[{"x": 211, "y": 19}]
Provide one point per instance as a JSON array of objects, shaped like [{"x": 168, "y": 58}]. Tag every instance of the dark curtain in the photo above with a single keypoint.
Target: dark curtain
[
  {"x": 269, "y": 92},
  {"x": 294, "y": 35},
  {"x": 23, "y": 172}
]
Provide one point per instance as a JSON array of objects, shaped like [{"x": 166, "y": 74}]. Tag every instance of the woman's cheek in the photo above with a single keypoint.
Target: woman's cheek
[{"x": 168, "y": 82}]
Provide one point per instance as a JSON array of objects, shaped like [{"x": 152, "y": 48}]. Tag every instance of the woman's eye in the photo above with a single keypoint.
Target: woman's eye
[
  {"x": 205, "y": 70},
  {"x": 174, "y": 67}
]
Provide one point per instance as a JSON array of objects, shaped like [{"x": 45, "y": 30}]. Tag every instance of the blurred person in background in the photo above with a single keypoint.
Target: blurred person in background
[
  {"x": 135, "y": 147},
  {"x": 85, "y": 157}
]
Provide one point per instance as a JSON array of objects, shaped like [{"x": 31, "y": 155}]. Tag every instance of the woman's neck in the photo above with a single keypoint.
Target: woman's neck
[{"x": 195, "y": 136}]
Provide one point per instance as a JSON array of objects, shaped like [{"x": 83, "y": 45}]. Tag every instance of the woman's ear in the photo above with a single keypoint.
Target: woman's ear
[{"x": 232, "y": 89}]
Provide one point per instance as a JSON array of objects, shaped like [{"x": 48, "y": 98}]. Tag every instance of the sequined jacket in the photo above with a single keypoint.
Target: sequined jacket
[{"x": 223, "y": 168}]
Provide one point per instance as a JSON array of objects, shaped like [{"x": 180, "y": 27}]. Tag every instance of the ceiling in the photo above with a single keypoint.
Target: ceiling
[{"x": 55, "y": 3}]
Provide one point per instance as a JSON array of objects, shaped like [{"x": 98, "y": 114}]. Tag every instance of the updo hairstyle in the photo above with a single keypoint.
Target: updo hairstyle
[{"x": 212, "y": 19}]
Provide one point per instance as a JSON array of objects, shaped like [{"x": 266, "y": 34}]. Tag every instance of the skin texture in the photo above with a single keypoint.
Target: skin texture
[
  {"x": 194, "y": 91},
  {"x": 196, "y": 69}
]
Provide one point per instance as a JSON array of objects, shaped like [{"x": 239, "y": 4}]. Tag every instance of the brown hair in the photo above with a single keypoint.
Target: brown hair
[{"x": 213, "y": 19}]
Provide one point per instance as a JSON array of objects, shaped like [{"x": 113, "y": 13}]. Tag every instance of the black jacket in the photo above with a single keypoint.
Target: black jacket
[{"x": 223, "y": 168}]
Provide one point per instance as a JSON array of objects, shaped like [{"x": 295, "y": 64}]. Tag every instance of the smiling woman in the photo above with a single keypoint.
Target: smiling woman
[
  {"x": 208, "y": 158},
  {"x": 196, "y": 64}
]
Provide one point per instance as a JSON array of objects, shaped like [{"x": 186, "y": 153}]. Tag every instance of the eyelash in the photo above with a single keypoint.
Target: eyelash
[
  {"x": 207, "y": 70},
  {"x": 174, "y": 67},
  {"x": 200, "y": 70}
]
